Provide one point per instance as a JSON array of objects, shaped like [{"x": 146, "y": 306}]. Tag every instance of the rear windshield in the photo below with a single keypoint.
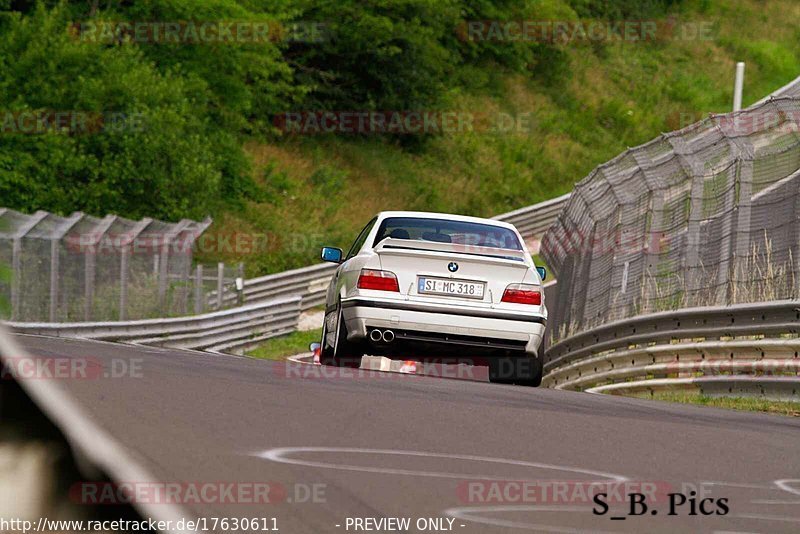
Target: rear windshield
[{"x": 445, "y": 231}]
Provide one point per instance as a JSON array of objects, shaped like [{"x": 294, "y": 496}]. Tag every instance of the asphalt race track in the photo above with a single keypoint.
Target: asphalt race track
[{"x": 376, "y": 445}]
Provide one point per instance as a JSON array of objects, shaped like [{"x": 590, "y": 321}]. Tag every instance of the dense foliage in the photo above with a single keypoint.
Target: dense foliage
[{"x": 172, "y": 117}]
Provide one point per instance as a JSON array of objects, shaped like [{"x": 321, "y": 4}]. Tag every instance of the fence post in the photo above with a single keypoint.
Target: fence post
[
  {"x": 163, "y": 274},
  {"x": 128, "y": 246},
  {"x": 198, "y": 290},
  {"x": 16, "y": 261},
  {"x": 693, "y": 266},
  {"x": 220, "y": 280},
  {"x": 743, "y": 222},
  {"x": 54, "y": 259},
  {"x": 16, "y": 270},
  {"x": 123, "y": 283},
  {"x": 88, "y": 283},
  {"x": 186, "y": 277},
  {"x": 727, "y": 248},
  {"x": 97, "y": 234}
]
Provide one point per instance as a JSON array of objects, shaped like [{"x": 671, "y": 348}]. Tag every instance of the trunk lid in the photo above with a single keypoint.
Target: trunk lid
[{"x": 411, "y": 259}]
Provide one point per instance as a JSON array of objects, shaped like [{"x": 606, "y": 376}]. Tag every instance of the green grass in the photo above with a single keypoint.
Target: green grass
[
  {"x": 279, "y": 348},
  {"x": 606, "y": 98},
  {"x": 789, "y": 408}
]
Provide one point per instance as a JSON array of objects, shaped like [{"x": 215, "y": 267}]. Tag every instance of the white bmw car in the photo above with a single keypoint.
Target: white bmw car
[{"x": 437, "y": 287}]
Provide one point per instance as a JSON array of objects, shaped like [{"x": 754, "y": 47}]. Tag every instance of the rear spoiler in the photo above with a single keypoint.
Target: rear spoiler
[{"x": 389, "y": 245}]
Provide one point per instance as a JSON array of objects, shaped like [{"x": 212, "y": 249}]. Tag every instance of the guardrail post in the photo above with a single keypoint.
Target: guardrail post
[
  {"x": 198, "y": 290},
  {"x": 220, "y": 286}
]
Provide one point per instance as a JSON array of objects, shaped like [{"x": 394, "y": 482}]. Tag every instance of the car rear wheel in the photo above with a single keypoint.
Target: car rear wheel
[
  {"x": 520, "y": 370},
  {"x": 342, "y": 353},
  {"x": 325, "y": 350}
]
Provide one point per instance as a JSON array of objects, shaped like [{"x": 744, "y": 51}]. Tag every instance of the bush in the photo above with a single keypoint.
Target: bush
[
  {"x": 163, "y": 157},
  {"x": 380, "y": 56}
]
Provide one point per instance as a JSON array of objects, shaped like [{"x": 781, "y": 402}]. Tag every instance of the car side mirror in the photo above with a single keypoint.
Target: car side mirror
[
  {"x": 542, "y": 273},
  {"x": 332, "y": 254}
]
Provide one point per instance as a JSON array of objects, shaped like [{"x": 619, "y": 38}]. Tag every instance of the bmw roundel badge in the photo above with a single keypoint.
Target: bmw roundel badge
[{"x": 452, "y": 266}]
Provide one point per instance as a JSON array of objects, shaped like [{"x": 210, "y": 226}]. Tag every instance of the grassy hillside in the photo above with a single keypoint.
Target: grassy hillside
[
  {"x": 602, "y": 100},
  {"x": 199, "y": 133}
]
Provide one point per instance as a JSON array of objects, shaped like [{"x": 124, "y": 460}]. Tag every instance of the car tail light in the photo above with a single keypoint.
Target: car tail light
[
  {"x": 523, "y": 294},
  {"x": 378, "y": 280}
]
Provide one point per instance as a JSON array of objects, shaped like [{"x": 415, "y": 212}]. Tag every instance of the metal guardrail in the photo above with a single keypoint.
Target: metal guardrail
[
  {"x": 309, "y": 283},
  {"x": 534, "y": 220},
  {"x": 742, "y": 350},
  {"x": 233, "y": 330}
]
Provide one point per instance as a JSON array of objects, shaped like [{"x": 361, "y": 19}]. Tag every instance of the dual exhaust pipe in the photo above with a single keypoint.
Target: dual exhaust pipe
[{"x": 386, "y": 336}]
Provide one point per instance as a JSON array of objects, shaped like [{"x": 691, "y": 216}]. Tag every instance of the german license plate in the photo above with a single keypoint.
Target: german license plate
[{"x": 453, "y": 288}]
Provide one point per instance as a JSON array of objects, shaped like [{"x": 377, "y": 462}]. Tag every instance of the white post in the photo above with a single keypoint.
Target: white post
[
  {"x": 220, "y": 286},
  {"x": 737, "y": 86},
  {"x": 198, "y": 290}
]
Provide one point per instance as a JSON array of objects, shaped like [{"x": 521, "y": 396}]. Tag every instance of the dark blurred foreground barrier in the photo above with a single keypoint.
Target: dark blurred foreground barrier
[
  {"x": 743, "y": 350},
  {"x": 48, "y": 444}
]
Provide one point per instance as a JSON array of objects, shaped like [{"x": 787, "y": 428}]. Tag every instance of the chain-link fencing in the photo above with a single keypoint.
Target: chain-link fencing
[
  {"x": 84, "y": 268},
  {"x": 706, "y": 215}
]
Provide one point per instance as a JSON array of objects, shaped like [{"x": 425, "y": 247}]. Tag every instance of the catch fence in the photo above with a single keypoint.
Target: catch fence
[
  {"x": 704, "y": 216},
  {"x": 84, "y": 268}
]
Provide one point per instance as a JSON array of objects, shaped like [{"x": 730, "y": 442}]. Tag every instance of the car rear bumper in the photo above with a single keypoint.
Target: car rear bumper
[{"x": 472, "y": 330}]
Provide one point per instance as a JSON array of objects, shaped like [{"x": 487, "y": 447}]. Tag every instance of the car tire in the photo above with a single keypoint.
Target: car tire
[
  {"x": 325, "y": 352},
  {"x": 519, "y": 370},
  {"x": 535, "y": 380},
  {"x": 342, "y": 353}
]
